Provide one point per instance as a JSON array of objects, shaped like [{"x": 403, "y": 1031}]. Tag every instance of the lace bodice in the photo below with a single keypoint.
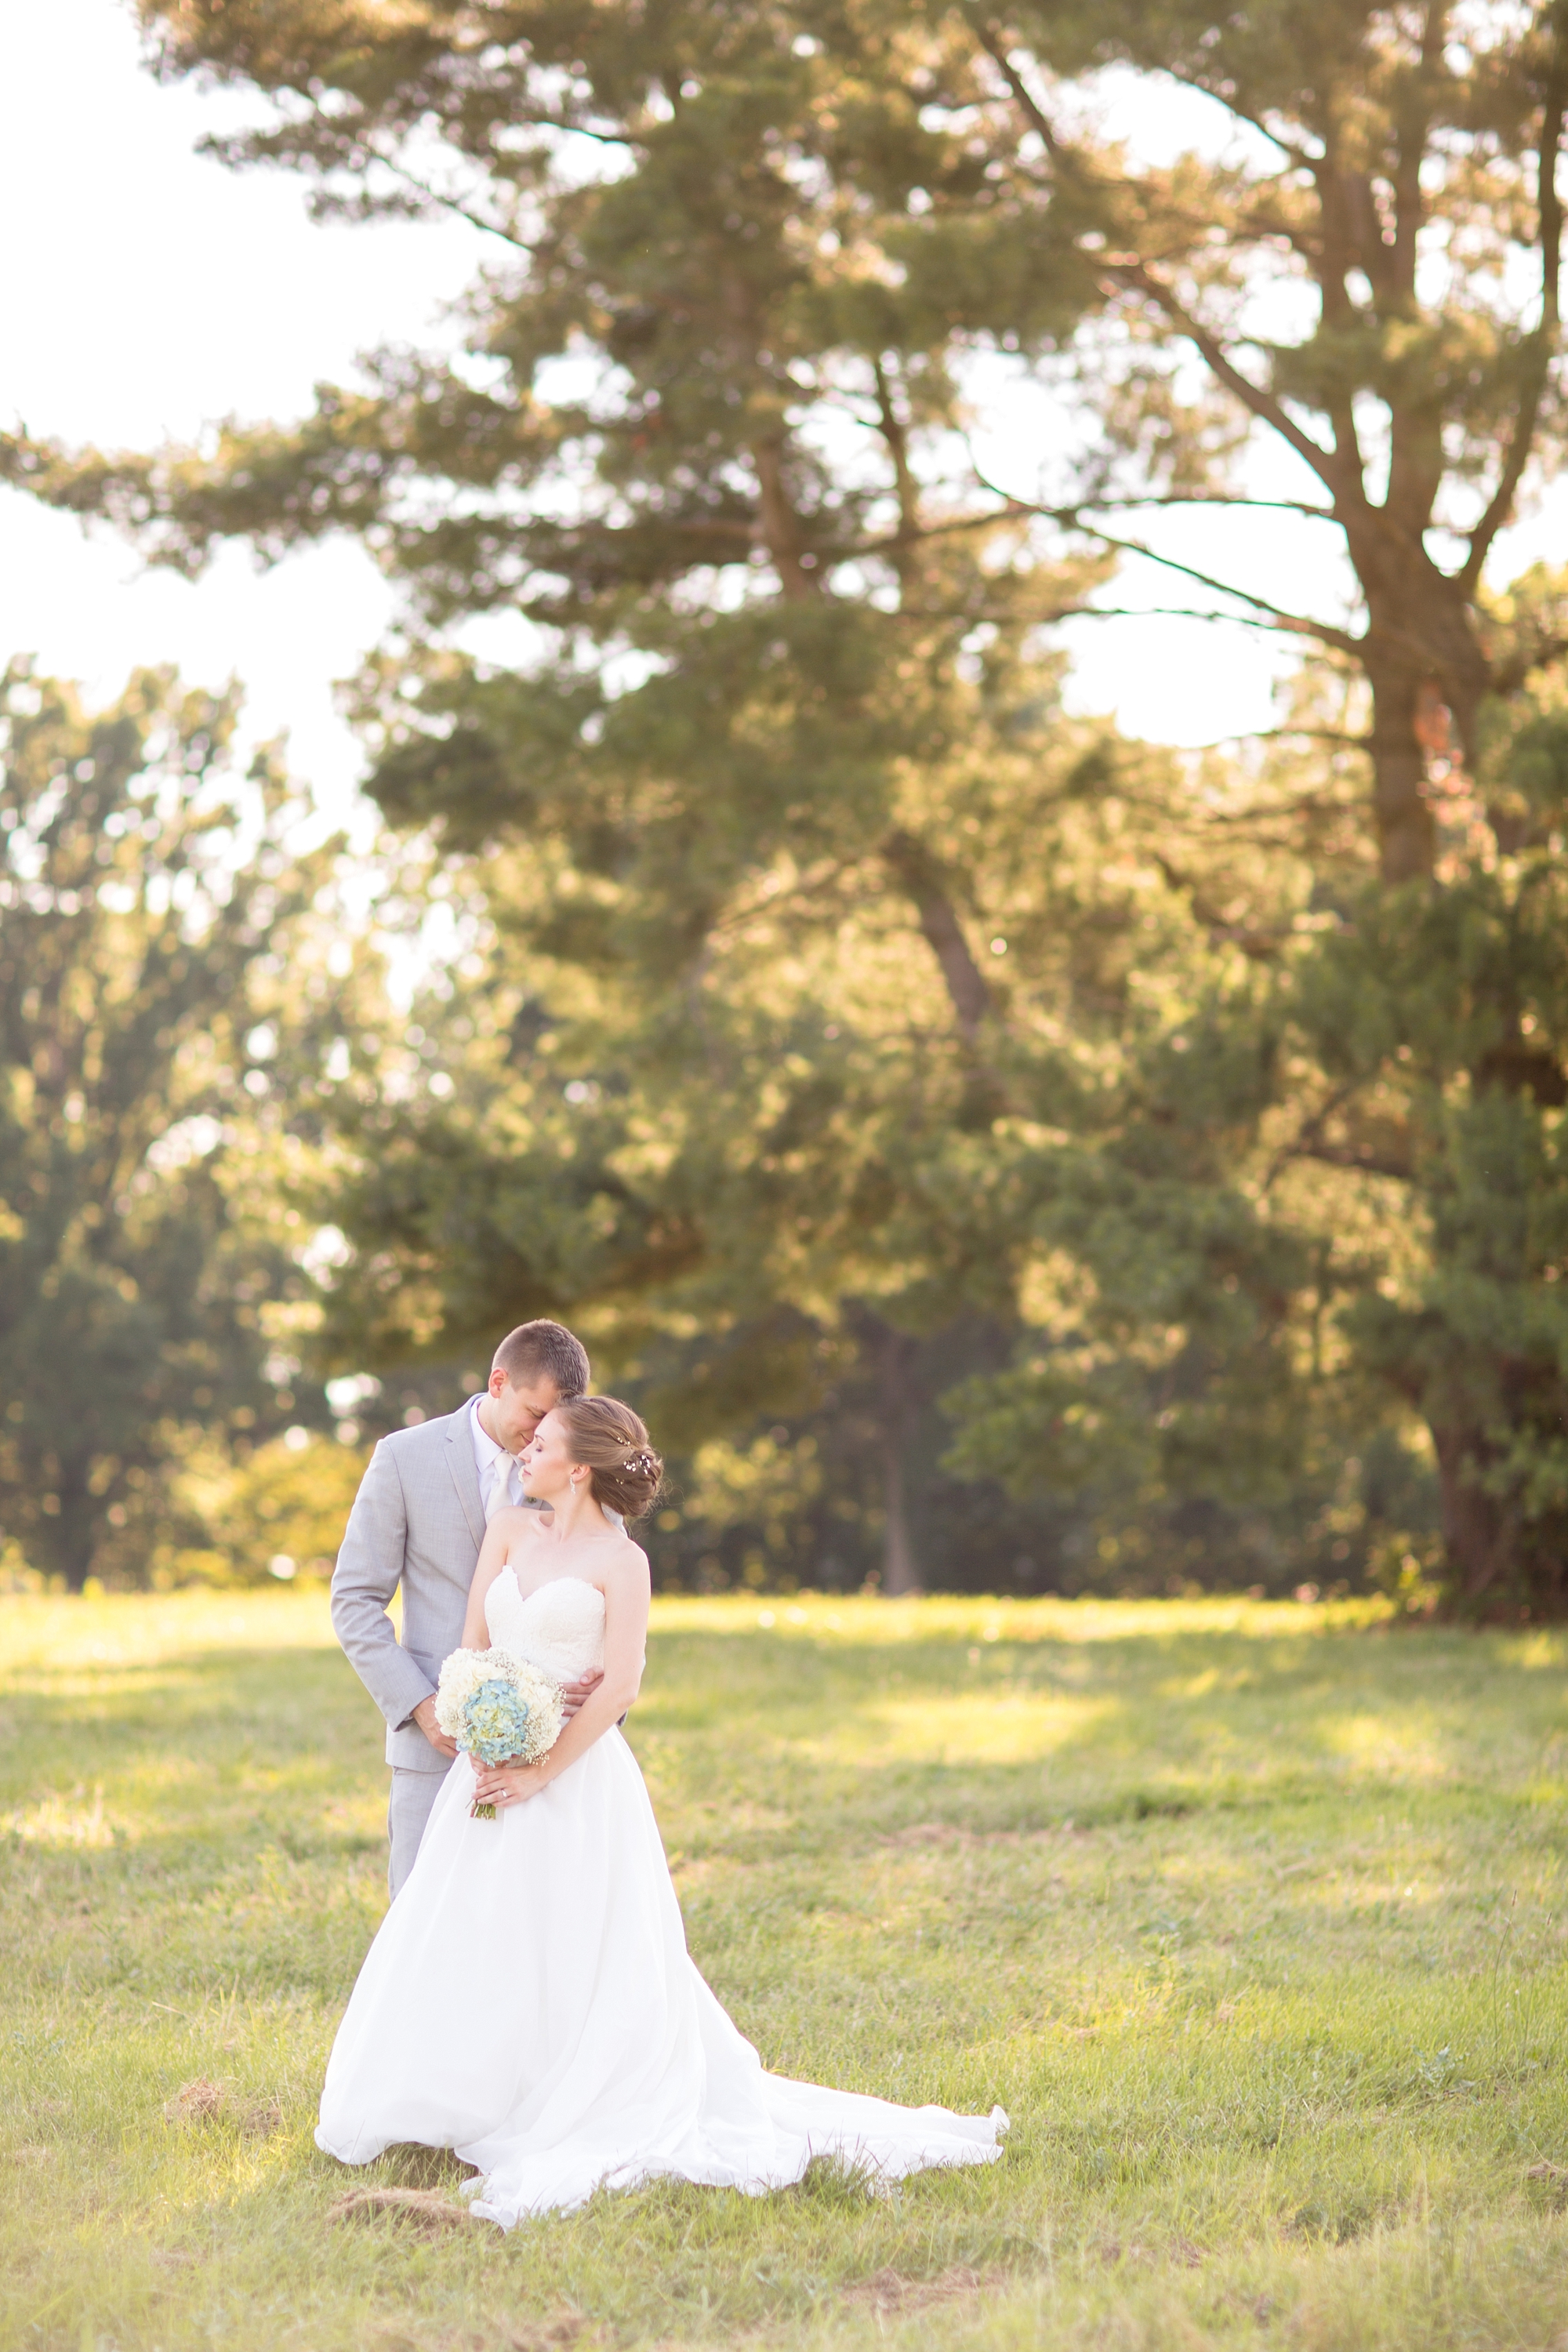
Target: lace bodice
[{"x": 558, "y": 1627}]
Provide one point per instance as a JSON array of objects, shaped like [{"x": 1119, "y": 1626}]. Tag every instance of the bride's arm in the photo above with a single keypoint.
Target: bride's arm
[
  {"x": 499, "y": 1536},
  {"x": 626, "y": 1594}
]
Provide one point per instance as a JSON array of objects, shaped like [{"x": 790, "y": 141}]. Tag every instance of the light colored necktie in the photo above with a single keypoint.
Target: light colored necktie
[{"x": 497, "y": 1486}]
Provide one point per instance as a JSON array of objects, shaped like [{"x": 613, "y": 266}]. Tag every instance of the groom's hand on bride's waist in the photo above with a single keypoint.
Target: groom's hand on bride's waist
[
  {"x": 575, "y": 1694},
  {"x": 424, "y": 1717}
]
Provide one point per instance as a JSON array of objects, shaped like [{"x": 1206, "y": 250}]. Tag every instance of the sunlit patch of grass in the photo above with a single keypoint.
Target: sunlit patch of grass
[
  {"x": 1387, "y": 1748},
  {"x": 1251, "y": 1914},
  {"x": 57, "y": 1819},
  {"x": 1010, "y": 1727}
]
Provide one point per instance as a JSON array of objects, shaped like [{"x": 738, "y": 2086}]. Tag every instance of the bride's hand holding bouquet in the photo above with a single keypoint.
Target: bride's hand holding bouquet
[{"x": 496, "y": 1786}]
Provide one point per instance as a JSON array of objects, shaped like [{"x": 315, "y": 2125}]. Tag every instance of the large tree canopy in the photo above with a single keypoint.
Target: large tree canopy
[
  {"x": 781, "y": 227},
  {"x": 835, "y": 974}
]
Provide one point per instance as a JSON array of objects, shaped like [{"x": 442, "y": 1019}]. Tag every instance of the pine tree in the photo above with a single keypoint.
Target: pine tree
[
  {"x": 1299, "y": 274},
  {"x": 751, "y": 635}
]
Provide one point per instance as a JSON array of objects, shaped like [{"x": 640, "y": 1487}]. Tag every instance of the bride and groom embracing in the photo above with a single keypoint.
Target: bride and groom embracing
[{"x": 529, "y": 2000}]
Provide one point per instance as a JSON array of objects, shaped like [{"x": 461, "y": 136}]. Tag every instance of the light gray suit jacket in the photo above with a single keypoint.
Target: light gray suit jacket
[{"x": 417, "y": 1521}]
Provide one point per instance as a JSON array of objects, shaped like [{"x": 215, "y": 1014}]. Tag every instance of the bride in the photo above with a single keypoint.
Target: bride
[{"x": 530, "y": 2002}]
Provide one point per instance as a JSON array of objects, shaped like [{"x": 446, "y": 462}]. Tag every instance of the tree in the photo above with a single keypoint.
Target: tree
[
  {"x": 1302, "y": 273},
  {"x": 1438, "y": 1022},
  {"x": 141, "y": 908},
  {"x": 754, "y": 1184},
  {"x": 1347, "y": 277},
  {"x": 782, "y": 639},
  {"x": 781, "y": 725}
]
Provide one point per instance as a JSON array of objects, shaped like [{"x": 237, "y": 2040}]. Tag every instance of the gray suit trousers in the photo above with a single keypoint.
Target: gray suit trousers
[{"x": 409, "y": 1807}]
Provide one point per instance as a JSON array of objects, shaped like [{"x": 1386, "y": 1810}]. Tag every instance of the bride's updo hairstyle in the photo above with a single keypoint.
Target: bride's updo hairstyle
[{"x": 625, "y": 1471}]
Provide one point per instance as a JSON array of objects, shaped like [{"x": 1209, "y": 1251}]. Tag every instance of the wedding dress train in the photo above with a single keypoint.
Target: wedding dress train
[{"x": 529, "y": 2002}]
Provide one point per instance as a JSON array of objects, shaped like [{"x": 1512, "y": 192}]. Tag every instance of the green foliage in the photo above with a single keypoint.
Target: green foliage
[
  {"x": 279, "y": 1511},
  {"x": 747, "y": 1183},
  {"x": 149, "y": 906},
  {"x": 1439, "y": 1021},
  {"x": 1269, "y": 1907}
]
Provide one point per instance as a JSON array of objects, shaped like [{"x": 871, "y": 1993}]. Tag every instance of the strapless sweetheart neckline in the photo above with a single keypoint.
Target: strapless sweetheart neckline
[
  {"x": 548, "y": 1585},
  {"x": 553, "y": 1627}
]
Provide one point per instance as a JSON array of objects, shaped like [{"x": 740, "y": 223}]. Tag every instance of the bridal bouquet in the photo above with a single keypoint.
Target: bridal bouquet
[{"x": 497, "y": 1707}]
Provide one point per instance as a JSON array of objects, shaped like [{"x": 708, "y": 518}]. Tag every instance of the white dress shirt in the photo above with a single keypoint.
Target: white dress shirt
[{"x": 487, "y": 1453}]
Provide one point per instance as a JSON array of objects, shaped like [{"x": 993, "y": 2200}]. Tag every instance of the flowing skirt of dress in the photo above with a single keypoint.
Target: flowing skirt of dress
[{"x": 529, "y": 2002}]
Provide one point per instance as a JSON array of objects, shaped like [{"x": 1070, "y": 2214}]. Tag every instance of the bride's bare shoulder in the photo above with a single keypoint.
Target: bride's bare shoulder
[{"x": 628, "y": 1561}]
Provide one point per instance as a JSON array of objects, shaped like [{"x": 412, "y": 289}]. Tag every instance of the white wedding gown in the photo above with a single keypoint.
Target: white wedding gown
[{"x": 529, "y": 2002}]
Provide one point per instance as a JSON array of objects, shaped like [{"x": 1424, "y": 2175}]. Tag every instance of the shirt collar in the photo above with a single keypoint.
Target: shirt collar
[{"x": 481, "y": 1435}]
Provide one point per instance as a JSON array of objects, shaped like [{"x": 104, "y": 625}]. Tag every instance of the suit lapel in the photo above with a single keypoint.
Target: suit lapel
[{"x": 465, "y": 1473}]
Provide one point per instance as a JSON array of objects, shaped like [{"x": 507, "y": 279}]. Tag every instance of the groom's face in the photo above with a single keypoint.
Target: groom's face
[{"x": 517, "y": 1408}]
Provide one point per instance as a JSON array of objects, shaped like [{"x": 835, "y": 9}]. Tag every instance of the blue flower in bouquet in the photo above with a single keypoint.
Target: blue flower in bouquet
[{"x": 495, "y": 1722}]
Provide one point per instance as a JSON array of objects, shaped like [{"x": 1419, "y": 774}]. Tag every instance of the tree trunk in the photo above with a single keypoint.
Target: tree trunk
[
  {"x": 899, "y": 1571},
  {"x": 1484, "y": 1536},
  {"x": 895, "y": 1352},
  {"x": 76, "y": 1539},
  {"x": 1429, "y": 671},
  {"x": 779, "y": 525},
  {"x": 1406, "y": 830}
]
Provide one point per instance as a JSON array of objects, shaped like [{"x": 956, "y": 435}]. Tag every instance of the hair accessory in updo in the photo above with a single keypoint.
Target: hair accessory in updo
[{"x": 611, "y": 1440}]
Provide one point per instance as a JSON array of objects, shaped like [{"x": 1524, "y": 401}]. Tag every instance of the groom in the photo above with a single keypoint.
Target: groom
[{"x": 418, "y": 1520}]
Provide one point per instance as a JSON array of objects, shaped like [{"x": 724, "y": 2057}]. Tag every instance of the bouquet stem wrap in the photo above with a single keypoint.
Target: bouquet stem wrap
[{"x": 497, "y": 1708}]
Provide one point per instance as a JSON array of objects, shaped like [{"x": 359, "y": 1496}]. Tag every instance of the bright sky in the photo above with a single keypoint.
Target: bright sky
[{"x": 149, "y": 291}]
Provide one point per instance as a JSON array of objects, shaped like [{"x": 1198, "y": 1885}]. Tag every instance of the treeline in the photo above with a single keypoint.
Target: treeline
[{"x": 993, "y": 1153}]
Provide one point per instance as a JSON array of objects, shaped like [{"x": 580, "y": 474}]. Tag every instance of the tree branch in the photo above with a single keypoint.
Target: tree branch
[
  {"x": 991, "y": 42},
  {"x": 1286, "y": 626},
  {"x": 1129, "y": 271},
  {"x": 1289, "y": 626},
  {"x": 918, "y": 872},
  {"x": 895, "y": 433},
  {"x": 434, "y": 197},
  {"x": 1261, "y": 945},
  {"x": 812, "y": 885},
  {"x": 1359, "y": 1163},
  {"x": 1508, "y": 677},
  {"x": 1283, "y": 735},
  {"x": 1309, "y": 1144},
  {"x": 1072, "y": 519},
  {"x": 1298, "y": 155},
  {"x": 1209, "y": 499},
  {"x": 1544, "y": 341},
  {"x": 902, "y": 539}
]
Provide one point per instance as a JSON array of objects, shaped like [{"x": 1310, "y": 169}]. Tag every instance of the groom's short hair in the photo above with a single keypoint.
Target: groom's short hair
[{"x": 547, "y": 1350}]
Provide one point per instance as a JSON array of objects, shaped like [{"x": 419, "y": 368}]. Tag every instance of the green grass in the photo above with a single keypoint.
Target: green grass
[{"x": 1251, "y": 1916}]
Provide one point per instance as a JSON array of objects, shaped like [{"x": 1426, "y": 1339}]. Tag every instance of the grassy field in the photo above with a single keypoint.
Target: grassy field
[{"x": 1251, "y": 1916}]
